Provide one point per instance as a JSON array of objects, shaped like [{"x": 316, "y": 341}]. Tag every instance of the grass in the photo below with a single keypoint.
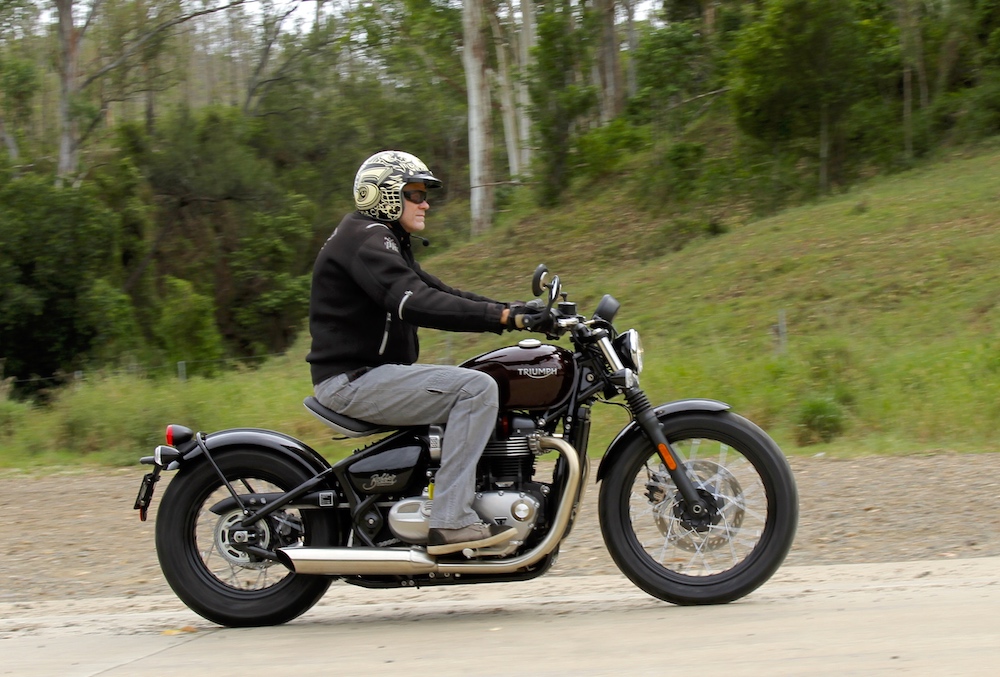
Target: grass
[{"x": 889, "y": 294}]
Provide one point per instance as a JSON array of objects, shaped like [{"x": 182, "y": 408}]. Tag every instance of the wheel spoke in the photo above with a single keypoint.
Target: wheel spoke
[
  {"x": 228, "y": 564},
  {"x": 724, "y": 476}
]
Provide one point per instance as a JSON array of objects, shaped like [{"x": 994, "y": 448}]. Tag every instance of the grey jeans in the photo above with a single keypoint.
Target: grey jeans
[{"x": 465, "y": 400}]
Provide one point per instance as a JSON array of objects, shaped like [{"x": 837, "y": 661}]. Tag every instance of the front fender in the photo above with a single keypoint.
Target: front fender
[
  {"x": 663, "y": 412},
  {"x": 241, "y": 438}
]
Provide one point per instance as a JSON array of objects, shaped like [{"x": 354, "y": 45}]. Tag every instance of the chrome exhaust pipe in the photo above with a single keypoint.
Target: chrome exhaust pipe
[
  {"x": 415, "y": 561},
  {"x": 357, "y": 561}
]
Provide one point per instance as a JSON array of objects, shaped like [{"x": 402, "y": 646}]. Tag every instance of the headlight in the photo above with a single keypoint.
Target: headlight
[{"x": 629, "y": 348}]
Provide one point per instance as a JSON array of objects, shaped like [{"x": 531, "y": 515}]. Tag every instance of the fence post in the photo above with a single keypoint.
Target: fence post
[
  {"x": 781, "y": 333},
  {"x": 182, "y": 370}
]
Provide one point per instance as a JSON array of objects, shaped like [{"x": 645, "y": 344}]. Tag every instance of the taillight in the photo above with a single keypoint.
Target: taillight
[{"x": 177, "y": 435}]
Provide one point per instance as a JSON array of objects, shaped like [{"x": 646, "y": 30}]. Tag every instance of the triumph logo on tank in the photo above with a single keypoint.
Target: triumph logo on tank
[
  {"x": 380, "y": 480},
  {"x": 537, "y": 372}
]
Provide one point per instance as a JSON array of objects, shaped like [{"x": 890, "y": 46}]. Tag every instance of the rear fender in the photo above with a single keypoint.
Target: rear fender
[
  {"x": 663, "y": 413},
  {"x": 242, "y": 438}
]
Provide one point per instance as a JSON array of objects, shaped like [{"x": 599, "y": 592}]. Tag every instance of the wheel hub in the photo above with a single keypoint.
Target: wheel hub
[
  {"x": 723, "y": 497},
  {"x": 230, "y": 535}
]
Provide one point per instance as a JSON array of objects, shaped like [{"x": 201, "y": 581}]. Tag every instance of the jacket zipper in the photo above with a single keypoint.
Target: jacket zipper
[
  {"x": 402, "y": 301},
  {"x": 385, "y": 336}
]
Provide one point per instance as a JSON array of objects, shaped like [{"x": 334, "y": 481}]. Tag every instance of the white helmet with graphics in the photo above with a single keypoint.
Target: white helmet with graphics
[{"x": 378, "y": 185}]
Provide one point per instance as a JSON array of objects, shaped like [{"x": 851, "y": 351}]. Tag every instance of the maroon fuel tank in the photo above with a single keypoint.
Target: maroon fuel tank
[{"x": 531, "y": 375}]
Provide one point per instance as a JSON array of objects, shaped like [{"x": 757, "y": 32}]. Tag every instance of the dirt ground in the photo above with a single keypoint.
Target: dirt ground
[{"x": 74, "y": 534}]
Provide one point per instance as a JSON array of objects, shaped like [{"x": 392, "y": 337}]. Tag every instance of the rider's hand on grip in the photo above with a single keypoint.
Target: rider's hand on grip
[{"x": 533, "y": 316}]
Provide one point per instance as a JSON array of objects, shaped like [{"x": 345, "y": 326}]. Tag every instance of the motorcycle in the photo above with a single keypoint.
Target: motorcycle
[{"x": 697, "y": 505}]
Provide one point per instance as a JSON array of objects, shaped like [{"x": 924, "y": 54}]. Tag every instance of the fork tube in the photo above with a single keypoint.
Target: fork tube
[{"x": 650, "y": 424}]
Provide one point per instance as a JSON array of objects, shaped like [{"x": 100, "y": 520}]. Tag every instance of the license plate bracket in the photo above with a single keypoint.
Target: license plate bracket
[{"x": 145, "y": 496}]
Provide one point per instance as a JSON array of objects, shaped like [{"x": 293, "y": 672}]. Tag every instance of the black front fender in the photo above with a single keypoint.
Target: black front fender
[
  {"x": 663, "y": 412},
  {"x": 242, "y": 438}
]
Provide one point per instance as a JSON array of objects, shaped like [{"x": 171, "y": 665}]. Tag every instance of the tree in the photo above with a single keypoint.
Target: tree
[
  {"x": 72, "y": 82},
  {"x": 480, "y": 127},
  {"x": 798, "y": 71},
  {"x": 44, "y": 324},
  {"x": 559, "y": 95},
  {"x": 513, "y": 37},
  {"x": 609, "y": 68}
]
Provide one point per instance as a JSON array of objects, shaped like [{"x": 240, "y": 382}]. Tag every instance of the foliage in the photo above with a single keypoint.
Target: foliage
[
  {"x": 272, "y": 300},
  {"x": 820, "y": 419},
  {"x": 186, "y": 328},
  {"x": 558, "y": 96},
  {"x": 220, "y": 152},
  {"x": 55, "y": 246},
  {"x": 805, "y": 60},
  {"x": 602, "y": 151},
  {"x": 673, "y": 63}
]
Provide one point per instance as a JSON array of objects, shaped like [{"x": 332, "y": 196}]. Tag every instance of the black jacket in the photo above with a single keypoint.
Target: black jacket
[{"x": 369, "y": 296}]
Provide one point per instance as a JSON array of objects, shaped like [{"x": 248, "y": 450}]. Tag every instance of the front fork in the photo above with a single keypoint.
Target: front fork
[{"x": 644, "y": 415}]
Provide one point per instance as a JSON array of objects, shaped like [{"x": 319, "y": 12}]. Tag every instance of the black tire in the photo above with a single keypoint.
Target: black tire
[
  {"x": 221, "y": 583},
  {"x": 670, "y": 556}
]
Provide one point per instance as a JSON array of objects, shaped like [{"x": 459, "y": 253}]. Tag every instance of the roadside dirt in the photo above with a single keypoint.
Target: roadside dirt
[{"x": 74, "y": 536}]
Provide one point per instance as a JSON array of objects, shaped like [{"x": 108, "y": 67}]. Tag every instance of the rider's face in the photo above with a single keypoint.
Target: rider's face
[{"x": 412, "y": 219}]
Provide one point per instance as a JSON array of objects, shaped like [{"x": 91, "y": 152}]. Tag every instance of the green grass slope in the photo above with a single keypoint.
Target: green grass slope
[{"x": 888, "y": 296}]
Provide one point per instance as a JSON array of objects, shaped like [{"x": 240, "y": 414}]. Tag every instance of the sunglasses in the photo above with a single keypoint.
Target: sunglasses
[{"x": 417, "y": 197}]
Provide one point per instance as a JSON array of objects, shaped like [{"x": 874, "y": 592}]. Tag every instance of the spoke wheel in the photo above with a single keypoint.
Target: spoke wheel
[
  {"x": 723, "y": 555},
  {"x": 204, "y": 556}
]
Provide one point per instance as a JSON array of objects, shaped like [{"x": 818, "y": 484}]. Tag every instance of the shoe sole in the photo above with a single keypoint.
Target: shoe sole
[{"x": 448, "y": 548}]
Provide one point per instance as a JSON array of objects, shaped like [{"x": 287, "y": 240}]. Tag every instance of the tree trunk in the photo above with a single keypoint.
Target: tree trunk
[
  {"x": 508, "y": 109},
  {"x": 631, "y": 78},
  {"x": 526, "y": 44},
  {"x": 10, "y": 142},
  {"x": 824, "y": 149},
  {"x": 69, "y": 55},
  {"x": 480, "y": 133},
  {"x": 612, "y": 93},
  {"x": 908, "y": 111},
  {"x": 947, "y": 60}
]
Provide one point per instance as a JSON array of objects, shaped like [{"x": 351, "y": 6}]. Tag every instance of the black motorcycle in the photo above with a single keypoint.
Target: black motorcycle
[{"x": 697, "y": 504}]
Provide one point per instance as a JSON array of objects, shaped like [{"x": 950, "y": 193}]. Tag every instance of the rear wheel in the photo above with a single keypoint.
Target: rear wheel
[
  {"x": 199, "y": 551},
  {"x": 752, "y": 511}
]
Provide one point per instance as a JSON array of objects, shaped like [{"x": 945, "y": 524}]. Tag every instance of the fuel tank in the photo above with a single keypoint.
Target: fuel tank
[{"x": 530, "y": 375}]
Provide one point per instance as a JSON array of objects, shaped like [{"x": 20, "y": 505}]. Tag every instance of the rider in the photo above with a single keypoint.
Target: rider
[{"x": 368, "y": 297}]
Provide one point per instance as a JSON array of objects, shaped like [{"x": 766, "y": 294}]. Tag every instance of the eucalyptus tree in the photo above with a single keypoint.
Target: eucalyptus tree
[
  {"x": 74, "y": 21},
  {"x": 19, "y": 80},
  {"x": 797, "y": 72},
  {"x": 474, "y": 59},
  {"x": 561, "y": 92}
]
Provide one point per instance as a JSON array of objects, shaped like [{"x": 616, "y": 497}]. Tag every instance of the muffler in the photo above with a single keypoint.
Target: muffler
[
  {"x": 357, "y": 561},
  {"x": 415, "y": 561}
]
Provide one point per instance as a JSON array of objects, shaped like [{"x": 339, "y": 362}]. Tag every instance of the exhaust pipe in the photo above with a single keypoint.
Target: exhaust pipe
[
  {"x": 415, "y": 561},
  {"x": 357, "y": 561}
]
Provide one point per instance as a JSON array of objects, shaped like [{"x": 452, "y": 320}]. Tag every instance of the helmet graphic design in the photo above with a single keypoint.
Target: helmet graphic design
[{"x": 378, "y": 185}]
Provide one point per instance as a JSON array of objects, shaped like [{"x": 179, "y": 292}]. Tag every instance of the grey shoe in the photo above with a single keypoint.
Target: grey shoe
[{"x": 479, "y": 535}]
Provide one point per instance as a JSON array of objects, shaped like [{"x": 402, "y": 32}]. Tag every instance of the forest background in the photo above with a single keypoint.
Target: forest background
[{"x": 170, "y": 167}]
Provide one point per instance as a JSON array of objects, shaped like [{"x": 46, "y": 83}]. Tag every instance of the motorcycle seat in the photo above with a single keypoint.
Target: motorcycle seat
[{"x": 345, "y": 425}]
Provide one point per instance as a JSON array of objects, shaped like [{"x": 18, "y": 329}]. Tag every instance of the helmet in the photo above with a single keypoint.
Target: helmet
[{"x": 378, "y": 185}]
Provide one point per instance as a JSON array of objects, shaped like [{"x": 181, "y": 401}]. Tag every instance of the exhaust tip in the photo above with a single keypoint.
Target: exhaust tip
[{"x": 287, "y": 561}]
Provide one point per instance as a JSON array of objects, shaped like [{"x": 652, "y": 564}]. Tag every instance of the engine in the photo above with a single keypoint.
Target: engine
[{"x": 505, "y": 494}]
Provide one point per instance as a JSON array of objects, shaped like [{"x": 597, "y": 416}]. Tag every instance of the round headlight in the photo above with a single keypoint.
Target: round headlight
[{"x": 629, "y": 348}]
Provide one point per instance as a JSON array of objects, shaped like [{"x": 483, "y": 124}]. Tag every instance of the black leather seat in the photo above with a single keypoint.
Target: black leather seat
[{"x": 351, "y": 427}]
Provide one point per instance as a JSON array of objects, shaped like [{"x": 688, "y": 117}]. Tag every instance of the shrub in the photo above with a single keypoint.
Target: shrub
[{"x": 820, "y": 419}]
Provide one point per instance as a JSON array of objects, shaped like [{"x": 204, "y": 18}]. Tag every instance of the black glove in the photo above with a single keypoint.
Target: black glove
[{"x": 530, "y": 316}]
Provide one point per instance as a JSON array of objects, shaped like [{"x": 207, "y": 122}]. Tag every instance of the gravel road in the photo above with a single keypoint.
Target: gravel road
[{"x": 76, "y": 537}]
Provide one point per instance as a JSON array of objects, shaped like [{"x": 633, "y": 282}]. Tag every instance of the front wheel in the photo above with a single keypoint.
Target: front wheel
[
  {"x": 206, "y": 567},
  {"x": 716, "y": 558}
]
